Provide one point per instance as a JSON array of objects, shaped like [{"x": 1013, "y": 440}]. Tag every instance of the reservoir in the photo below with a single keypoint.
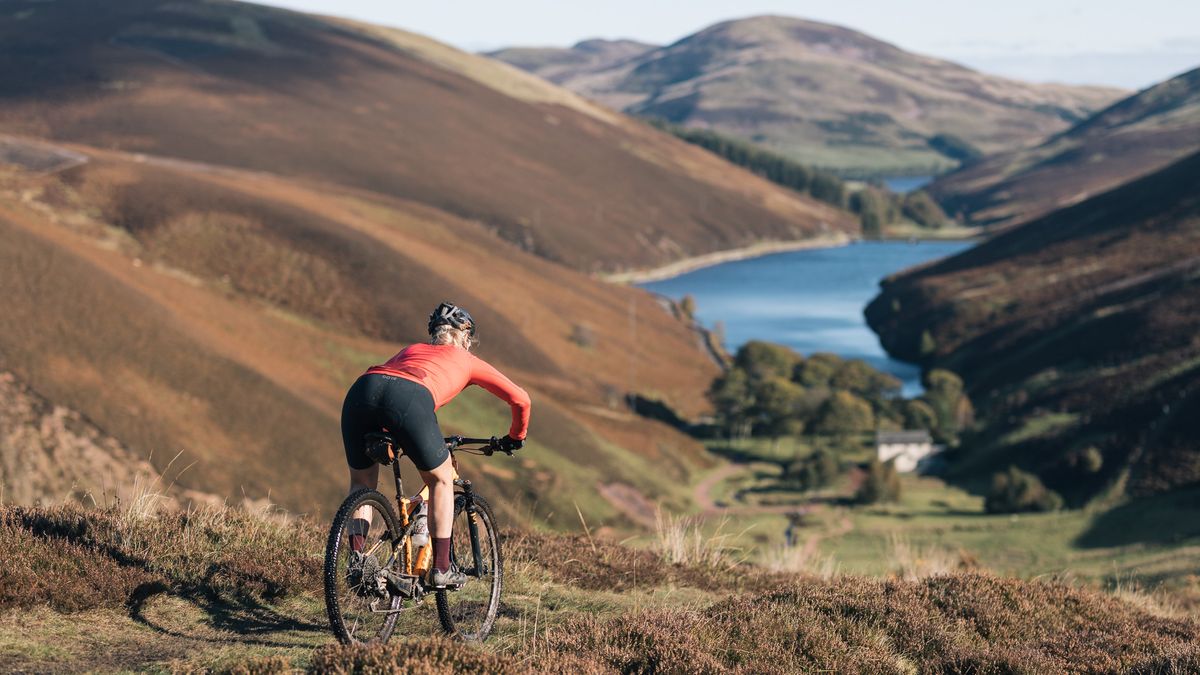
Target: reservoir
[{"x": 810, "y": 300}]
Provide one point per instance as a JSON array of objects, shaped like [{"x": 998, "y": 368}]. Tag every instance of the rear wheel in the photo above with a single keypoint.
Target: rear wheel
[
  {"x": 360, "y": 608},
  {"x": 470, "y": 612}
]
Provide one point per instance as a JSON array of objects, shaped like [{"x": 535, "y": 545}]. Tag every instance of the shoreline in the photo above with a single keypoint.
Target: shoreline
[{"x": 756, "y": 250}]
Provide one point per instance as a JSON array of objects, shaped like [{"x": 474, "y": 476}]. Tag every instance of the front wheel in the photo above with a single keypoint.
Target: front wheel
[
  {"x": 362, "y": 545},
  {"x": 470, "y": 612}
]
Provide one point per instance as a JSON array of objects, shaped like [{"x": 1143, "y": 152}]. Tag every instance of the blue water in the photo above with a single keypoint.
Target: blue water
[
  {"x": 902, "y": 184},
  {"x": 810, "y": 300}
]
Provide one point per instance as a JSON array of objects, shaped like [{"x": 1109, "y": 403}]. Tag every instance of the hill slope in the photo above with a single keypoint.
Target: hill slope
[
  {"x": 224, "y": 313},
  {"x": 386, "y": 111},
  {"x": 822, "y": 94},
  {"x": 1076, "y": 335},
  {"x": 1135, "y": 136}
]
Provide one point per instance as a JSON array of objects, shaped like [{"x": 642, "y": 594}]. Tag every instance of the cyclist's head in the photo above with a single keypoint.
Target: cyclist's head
[{"x": 451, "y": 325}]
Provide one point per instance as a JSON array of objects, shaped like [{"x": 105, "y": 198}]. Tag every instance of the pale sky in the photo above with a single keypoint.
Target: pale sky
[{"x": 1131, "y": 43}]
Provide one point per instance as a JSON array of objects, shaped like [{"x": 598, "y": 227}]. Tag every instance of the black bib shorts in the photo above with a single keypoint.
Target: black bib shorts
[{"x": 403, "y": 408}]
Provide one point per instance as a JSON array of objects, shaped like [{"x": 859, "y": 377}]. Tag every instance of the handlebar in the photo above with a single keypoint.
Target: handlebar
[{"x": 490, "y": 445}]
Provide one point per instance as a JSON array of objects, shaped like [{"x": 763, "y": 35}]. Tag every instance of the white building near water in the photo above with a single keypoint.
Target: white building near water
[{"x": 907, "y": 450}]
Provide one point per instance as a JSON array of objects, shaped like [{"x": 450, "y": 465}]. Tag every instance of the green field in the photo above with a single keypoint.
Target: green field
[{"x": 1152, "y": 545}]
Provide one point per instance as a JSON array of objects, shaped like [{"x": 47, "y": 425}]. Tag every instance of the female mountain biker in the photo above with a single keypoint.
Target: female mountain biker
[{"x": 401, "y": 395}]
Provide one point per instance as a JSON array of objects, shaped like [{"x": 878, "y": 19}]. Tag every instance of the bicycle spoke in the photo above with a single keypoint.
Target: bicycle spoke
[
  {"x": 470, "y": 611},
  {"x": 357, "y": 594}
]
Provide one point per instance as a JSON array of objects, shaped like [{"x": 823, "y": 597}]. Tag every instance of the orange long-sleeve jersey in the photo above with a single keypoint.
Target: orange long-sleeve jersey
[{"x": 445, "y": 370}]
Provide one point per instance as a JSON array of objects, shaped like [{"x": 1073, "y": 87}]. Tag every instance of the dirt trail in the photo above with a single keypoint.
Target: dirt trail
[
  {"x": 37, "y": 156},
  {"x": 702, "y": 495}
]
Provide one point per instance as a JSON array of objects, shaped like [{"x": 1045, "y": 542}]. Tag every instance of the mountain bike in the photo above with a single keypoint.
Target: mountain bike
[{"x": 376, "y": 557}]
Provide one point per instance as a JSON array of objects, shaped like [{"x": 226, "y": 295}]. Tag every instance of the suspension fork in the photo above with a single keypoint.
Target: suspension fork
[{"x": 472, "y": 522}]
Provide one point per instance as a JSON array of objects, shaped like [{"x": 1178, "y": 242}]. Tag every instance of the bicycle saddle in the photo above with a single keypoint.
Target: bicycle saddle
[{"x": 380, "y": 447}]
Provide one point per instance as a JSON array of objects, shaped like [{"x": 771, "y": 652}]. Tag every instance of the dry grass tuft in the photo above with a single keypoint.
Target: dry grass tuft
[
  {"x": 799, "y": 560},
  {"x": 681, "y": 540},
  {"x": 912, "y": 561}
]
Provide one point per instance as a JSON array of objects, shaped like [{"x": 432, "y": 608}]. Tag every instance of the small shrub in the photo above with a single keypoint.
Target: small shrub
[
  {"x": 881, "y": 484},
  {"x": 687, "y": 305},
  {"x": 817, "y": 470},
  {"x": 1016, "y": 491},
  {"x": 583, "y": 336}
]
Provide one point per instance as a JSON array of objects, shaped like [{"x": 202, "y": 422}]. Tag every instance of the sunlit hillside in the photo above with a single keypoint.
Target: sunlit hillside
[
  {"x": 1133, "y": 137},
  {"x": 822, "y": 94}
]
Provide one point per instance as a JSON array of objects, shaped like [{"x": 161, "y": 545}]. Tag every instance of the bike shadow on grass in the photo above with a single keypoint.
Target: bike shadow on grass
[{"x": 238, "y": 619}]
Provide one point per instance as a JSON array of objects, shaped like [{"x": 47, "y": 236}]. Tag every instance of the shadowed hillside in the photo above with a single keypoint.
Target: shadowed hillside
[
  {"x": 231, "y": 591},
  {"x": 1076, "y": 335},
  {"x": 822, "y": 94},
  {"x": 386, "y": 111},
  {"x": 1137, "y": 135}
]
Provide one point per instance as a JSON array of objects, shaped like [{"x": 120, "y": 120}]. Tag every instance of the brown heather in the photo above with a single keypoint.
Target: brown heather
[
  {"x": 964, "y": 623},
  {"x": 607, "y": 566},
  {"x": 73, "y": 559}
]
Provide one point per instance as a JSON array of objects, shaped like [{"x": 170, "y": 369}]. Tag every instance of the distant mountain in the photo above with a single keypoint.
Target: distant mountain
[
  {"x": 823, "y": 94},
  {"x": 215, "y": 215},
  {"x": 1077, "y": 337},
  {"x": 1137, "y": 135},
  {"x": 561, "y": 64}
]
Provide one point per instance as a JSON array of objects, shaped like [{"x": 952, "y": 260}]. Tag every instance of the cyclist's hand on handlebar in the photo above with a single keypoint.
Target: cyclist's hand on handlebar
[{"x": 508, "y": 444}]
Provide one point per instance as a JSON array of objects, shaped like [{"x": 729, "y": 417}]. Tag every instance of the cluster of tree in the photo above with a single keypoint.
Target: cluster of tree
[
  {"x": 1017, "y": 491},
  {"x": 818, "y": 184},
  {"x": 876, "y": 207},
  {"x": 770, "y": 389}
]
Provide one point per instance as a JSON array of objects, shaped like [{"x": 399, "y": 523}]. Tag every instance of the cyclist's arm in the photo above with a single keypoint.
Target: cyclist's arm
[{"x": 484, "y": 375}]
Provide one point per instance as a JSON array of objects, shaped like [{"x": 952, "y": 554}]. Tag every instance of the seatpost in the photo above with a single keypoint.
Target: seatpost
[{"x": 399, "y": 482}]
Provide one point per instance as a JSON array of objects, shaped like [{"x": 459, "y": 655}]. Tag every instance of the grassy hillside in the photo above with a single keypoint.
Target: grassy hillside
[
  {"x": 176, "y": 307},
  {"x": 385, "y": 111},
  {"x": 821, "y": 94},
  {"x": 1075, "y": 334},
  {"x": 234, "y": 591},
  {"x": 1133, "y": 137}
]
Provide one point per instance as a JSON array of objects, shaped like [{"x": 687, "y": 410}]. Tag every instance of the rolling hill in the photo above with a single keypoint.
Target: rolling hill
[
  {"x": 385, "y": 111},
  {"x": 822, "y": 94},
  {"x": 214, "y": 215},
  {"x": 1135, "y": 136},
  {"x": 1076, "y": 336}
]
